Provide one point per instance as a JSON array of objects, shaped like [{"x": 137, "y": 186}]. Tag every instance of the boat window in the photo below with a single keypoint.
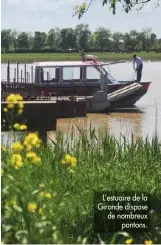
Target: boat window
[
  {"x": 71, "y": 74},
  {"x": 48, "y": 74},
  {"x": 92, "y": 74}
]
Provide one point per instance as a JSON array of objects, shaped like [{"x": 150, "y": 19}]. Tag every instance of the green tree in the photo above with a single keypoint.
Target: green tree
[
  {"x": 82, "y": 34},
  {"x": 23, "y": 41},
  {"x": 134, "y": 39},
  {"x": 102, "y": 37},
  {"x": 147, "y": 32},
  {"x": 31, "y": 41},
  {"x": 117, "y": 40},
  {"x": 142, "y": 41},
  {"x": 153, "y": 40},
  {"x": 6, "y": 39},
  {"x": 51, "y": 39},
  {"x": 57, "y": 37},
  {"x": 39, "y": 40},
  {"x": 67, "y": 39},
  {"x": 91, "y": 41}
]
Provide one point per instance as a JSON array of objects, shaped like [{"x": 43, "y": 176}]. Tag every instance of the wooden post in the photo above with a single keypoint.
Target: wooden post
[
  {"x": 8, "y": 71},
  {"x": 25, "y": 73},
  {"x": 21, "y": 75},
  {"x": 27, "y": 77},
  {"x": 32, "y": 74},
  {"x": 17, "y": 72},
  {"x": 14, "y": 74},
  {"x": 47, "y": 75}
]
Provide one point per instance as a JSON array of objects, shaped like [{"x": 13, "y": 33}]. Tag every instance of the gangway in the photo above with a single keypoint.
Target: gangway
[{"x": 126, "y": 91}]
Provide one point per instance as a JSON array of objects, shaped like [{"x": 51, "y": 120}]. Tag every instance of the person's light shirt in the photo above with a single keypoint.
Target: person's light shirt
[{"x": 138, "y": 62}]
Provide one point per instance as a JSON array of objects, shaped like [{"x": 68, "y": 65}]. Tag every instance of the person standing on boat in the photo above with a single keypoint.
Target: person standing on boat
[{"x": 139, "y": 66}]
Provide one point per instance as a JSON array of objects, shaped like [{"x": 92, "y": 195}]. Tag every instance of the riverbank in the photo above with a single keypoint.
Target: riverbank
[
  {"x": 61, "y": 199},
  {"x": 31, "y": 57}
]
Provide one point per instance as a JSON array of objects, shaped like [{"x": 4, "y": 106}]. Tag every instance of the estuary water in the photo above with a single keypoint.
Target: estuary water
[{"x": 145, "y": 122}]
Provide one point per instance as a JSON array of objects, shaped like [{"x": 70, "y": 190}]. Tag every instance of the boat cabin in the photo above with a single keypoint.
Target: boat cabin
[{"x": 69, "y": 72}]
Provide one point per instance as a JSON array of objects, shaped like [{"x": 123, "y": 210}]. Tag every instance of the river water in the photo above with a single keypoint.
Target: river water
[{"x": 145, "y": 122}]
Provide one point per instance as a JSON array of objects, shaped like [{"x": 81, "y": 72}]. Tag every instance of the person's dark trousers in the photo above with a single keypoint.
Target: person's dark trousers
[{"x": 139, "y": 73}]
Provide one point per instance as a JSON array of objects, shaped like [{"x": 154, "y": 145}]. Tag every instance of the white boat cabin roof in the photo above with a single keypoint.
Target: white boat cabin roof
[
  {"x": 46, "y": 64},
  {"x": 67, "y": 63}
]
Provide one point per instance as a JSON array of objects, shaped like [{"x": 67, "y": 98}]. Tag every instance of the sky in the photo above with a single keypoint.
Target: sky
[{"x": 42, "y": 15}]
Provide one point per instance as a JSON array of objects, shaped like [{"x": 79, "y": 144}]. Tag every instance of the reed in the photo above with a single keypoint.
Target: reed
[{"x": 103, "y": 163}]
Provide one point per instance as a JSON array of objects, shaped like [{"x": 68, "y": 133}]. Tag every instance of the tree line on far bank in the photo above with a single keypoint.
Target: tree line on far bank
[{"x": 73, "y": 40}]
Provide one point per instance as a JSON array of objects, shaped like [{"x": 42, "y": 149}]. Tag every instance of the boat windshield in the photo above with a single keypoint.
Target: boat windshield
[{"x": 112, "y": 80}]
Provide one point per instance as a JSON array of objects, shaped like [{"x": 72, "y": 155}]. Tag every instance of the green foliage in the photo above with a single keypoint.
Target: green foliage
[
  {"x": 126, "y": 4},
  {"x": 79, "y": 38},
  {"x": 82, "y": 33},
  {"x": 103, "y": 163}
]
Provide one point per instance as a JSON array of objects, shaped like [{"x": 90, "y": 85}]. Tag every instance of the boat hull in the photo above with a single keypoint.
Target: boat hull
[
  {"x": 33, "y": 90},
  {"x": 130, "y": 100},
  {"x": 89, "y": 90}
]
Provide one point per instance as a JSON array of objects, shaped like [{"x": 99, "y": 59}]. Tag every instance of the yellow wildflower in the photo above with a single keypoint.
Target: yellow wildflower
[
  {"x": 148, "y": 242},
  {"x": 128, "y": 241},
  {"x": 20, "y": 105},
  {"x": 68, "y": 158},
  {"x": 16, "y": 126},
  {"x": 23, "y": 127},
  {"x": 32, "y": 139},
  {"x": 18, "y": 164},
  {"x": 28, "y": 147},
  {"x": 17, "y": 147},
  {"x": 40, "y": 211},
  {"x": 73, "y": 161},
  {"x": 10, "y": 106},
  {"x": 16, "y": 160},
  {"x": 32, "y": 206},
  {"x": 20, "y": 111},
  {"x": 18, "y": 97},
  {"x": 31, "y": 155},
  {"x": 48, "y": 195},
  {"x": 36, "y": 160},
  {"x": 11, "y": 98},
  {"x": 5, "y": 109}
]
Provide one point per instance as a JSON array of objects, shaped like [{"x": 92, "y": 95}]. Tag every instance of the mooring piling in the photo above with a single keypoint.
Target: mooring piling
[
  {"x": 21, "y": 76},
  {"x": 32, "y": 74},
  {"x": 17, "y": 72},
  {"x": 25, "y": 73},
  {"x": 14, "y": 75},
  {"x": 8, "y": 71}
]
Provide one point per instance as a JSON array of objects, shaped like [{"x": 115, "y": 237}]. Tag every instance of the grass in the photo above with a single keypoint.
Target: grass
[
  {"x": 31, "y": 57},
  {"x": 103, "y": 163}
]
